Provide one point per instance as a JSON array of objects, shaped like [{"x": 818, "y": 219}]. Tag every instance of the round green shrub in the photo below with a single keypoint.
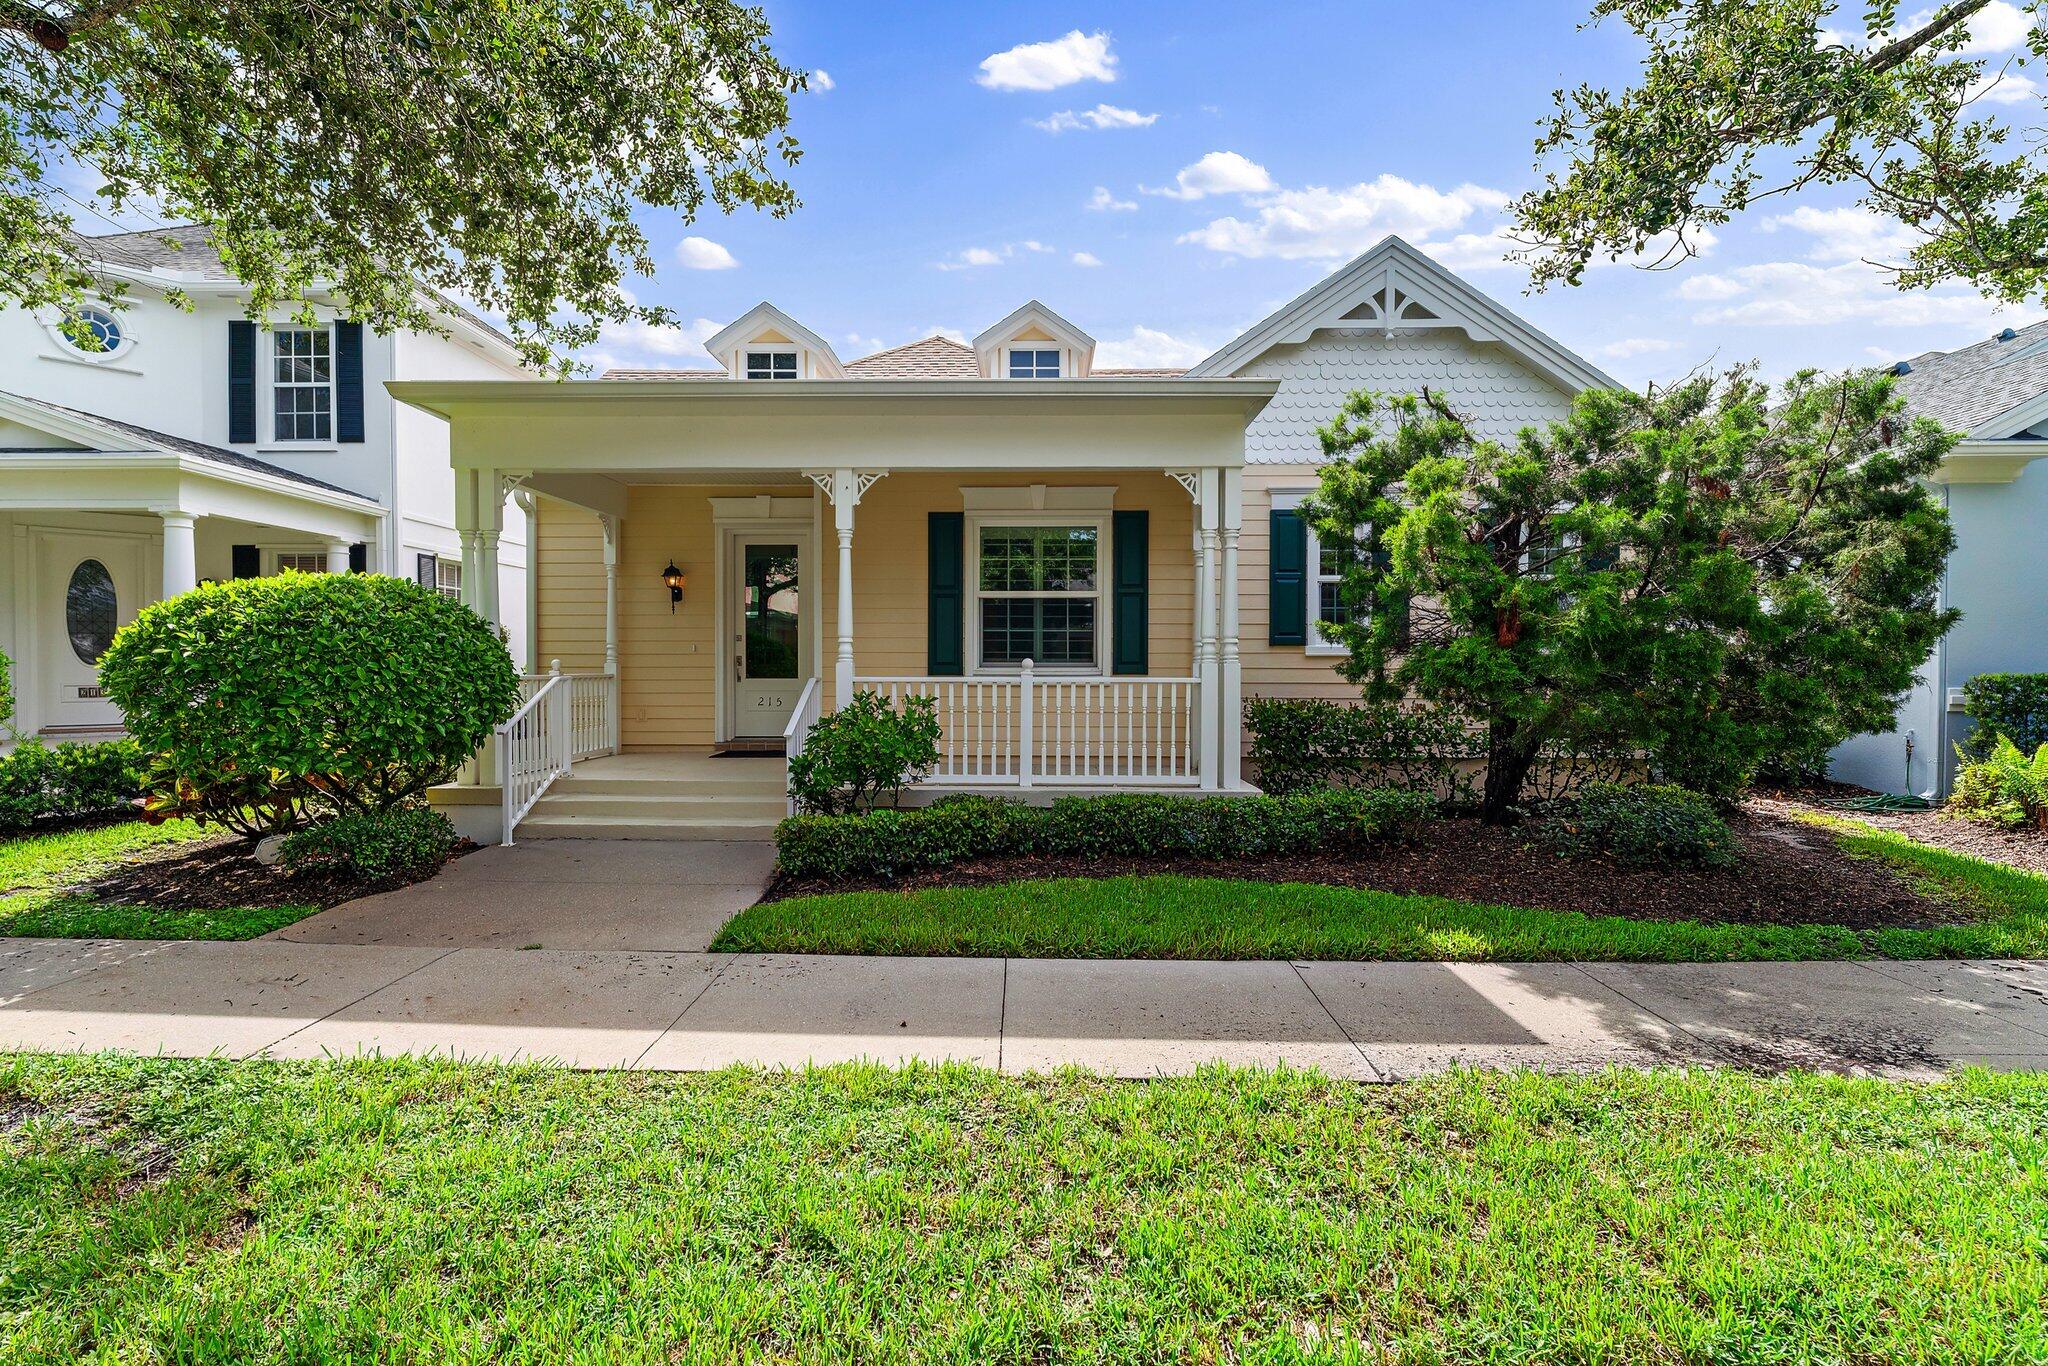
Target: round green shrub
[
  {"x": 1648, "y": 825},
  {"x": 373, "y": 846},
  {"x": 70, "y": 781},
  {"x": 264, "y": 703}
]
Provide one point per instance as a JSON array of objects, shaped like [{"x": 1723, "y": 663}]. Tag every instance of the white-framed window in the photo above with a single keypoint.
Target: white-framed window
[
  {"x": 302, "y": 384},
  {"x": 1036, "y": 583},
  {"x": 771, "y": 365},
  {"x": 1034, "y": 363},
  {"x": 305, "y": 562},
  {"x": 105, "y": 335},
  {"x": 448, "y": 578}
]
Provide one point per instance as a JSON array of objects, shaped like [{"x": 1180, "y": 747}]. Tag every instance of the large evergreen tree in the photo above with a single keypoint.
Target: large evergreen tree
[{"x": 1701, "y": 573}]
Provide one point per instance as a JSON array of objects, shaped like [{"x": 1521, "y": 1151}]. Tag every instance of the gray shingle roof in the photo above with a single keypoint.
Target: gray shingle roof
[
  {"x": 165, "y": 441},
  {"x": 633, "y": 372},
  {"x": 1968, "y": 387}
]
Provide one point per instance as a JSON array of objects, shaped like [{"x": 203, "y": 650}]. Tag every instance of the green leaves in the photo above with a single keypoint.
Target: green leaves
[
  {"x": 1712, "y": 575},
  {"x": 497, "y": 151},
  {"x": 865, "y": 749},
  {"x": 1730, "y": 91}
]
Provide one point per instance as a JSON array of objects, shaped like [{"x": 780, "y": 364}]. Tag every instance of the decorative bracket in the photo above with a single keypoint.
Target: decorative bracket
[
  {"x": 1190, "y": 481},
  {"x": 827, "y": 481}
]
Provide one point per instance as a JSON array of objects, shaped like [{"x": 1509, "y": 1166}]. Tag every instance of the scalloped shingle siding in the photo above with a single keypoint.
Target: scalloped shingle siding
[{"x": 1486, "y": 386}]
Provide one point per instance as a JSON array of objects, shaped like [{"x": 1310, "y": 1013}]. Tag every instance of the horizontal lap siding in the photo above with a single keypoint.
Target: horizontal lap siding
[
  {"x": 1274, "y": 670},
  {"x": 568, "y": 554}
]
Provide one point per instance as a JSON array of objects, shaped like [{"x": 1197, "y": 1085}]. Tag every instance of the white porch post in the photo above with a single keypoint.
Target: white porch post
[
  {"x": 1230, "y": 698},
  {"x": 483, "y": 768},
  {"x": 181, "y": 554},
  {"x": 610, "y": 527},
  {"x": 337, "y": 557},
  {"x": 1209, "y": 515},
  {"x": 844, "y": 488},
  {"x": 528, "y": 504}
]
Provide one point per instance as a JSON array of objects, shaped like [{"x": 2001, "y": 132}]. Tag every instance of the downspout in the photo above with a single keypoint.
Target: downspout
[{"x": 1943, "y": 749}]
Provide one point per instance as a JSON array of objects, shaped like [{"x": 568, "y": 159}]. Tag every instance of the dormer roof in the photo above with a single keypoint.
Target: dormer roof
[
  {"x": 1034, "y": 322},
  {"x": 765, "y": 323}
]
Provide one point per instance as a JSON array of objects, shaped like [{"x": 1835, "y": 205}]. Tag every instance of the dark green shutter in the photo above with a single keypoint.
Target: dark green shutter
[
  {"x": 427, "y": 570},
  {"x": 241, "y": 381},
  {"x": 246, "y": 562},
  {"x": 946, "y": 602},
  {"x": 359, "y": 558},
  {"x": 1131, "y": 550},
  {"x": 1287, "y": 580},
  {"x": 348, "y": 381}
]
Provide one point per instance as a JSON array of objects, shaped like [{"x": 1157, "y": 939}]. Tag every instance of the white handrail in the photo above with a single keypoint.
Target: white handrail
[
  {"x": 534, "y": 748},
  {"x": 797, "y": 733},
  {"x": 1031, "y": 728},
  {"x": 593, "y": 710}
]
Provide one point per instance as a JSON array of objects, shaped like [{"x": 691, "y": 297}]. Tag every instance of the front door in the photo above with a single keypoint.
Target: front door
[
  {"x": 768, "y": 645},
  {"x": 89, "y": 586}
]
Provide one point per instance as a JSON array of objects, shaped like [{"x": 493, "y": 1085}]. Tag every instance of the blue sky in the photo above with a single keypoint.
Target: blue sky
[{"x": 1213, "y": 160}]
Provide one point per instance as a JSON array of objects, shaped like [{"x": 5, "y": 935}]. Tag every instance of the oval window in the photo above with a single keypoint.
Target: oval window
[
  {"x": 90, "y": 610},
  {"x": 103, "y": 329}
]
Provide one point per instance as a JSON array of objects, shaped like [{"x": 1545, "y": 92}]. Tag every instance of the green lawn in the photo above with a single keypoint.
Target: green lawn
[
  {"x": 37, "y": 870},
  {"x": 207, "y": 1211},
  {"x": 1182, "y": 917}
]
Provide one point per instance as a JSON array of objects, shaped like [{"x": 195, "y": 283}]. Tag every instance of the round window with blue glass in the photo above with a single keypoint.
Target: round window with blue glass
[{"x": 94, "y": 331}]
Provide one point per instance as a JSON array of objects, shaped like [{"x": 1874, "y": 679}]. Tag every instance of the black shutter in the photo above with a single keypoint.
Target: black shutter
[
  {"x": 946, "y": 599},
  {"x": 246, "y": 562},
  {"x": 1287, "y": 580},
  {"x": 348, "y": 381},
  {"x": 1130, "y": 579},
  {"x": 241, "y": 382},
  {"x": 359, "y": 558},
  {"x": 428, "y": 571}
]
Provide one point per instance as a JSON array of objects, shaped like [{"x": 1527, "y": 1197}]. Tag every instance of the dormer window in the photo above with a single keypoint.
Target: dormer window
[
  {"x": 1034, "y": 364},
  {"x": 771, "y": 365}
]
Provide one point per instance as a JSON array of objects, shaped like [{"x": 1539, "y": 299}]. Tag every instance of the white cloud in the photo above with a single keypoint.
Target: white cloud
[
  {"x": 1848, "y": 233},
  {"x": 638, "y": 343},
  {"x": 1148, "y": 349},
  {"x": 975, "y": 257},
  {"x": 701, "y": 253},
  {"x": 855, "y": 339},
  {"x": 1321, "y": 223},
  {"x": 1102, "y": 201},
  {"x": 1217, "y": 173},
  {"x": 2005, "y": 87},
  {"x": 1101, "y": 116},
  {"x": 1998, "y": 27},
  {"x": 821, "y": 80},
  {"x": 1086, "y": 258},
  {"x": 1048, "y": 66},
  {"x": 952, "y": 334},
  {"x": 1636, "y": 346},
  {"x": 1799, "y": 294}
]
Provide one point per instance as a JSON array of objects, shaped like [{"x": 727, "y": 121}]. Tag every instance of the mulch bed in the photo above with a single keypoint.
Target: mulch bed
[
  {"x": 223, "y": 873},
  {"x": 2023, "y": 848},
  {"x": 1790, "y": 874}
]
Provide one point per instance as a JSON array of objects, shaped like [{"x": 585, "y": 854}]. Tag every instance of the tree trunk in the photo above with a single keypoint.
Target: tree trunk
[{"x": 1510, "y": 753}]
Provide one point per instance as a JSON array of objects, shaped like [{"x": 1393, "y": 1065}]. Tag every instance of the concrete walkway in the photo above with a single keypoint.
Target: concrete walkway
[{"x": 685, "y": 1010}]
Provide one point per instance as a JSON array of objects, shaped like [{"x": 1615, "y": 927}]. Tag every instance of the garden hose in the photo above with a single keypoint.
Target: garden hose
[{"x": 1883, "y": 801}]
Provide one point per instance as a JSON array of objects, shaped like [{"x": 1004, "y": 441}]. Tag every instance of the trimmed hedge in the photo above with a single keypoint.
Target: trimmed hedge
[
  {"x": 406, "y": 841},
  {"x": 2012, "y": 705},
  {"x": 1649, "y": 825},
  {"x": 1300, "y": 744},
  {"x": 888, "y": 843},
  {"x": 68, "y": 782}
]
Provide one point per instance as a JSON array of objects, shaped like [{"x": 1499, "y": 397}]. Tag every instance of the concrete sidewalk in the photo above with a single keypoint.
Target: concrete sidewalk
[{"x": 688, "y": 1011}]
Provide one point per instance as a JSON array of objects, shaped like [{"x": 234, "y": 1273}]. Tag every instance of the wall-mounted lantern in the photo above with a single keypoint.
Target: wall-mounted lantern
[{"x": 673, "y": 577}]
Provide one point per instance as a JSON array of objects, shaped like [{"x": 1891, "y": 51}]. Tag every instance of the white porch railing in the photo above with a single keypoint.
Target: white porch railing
[
  {"x": 1058, "y": 730},
  {"x": 798, "y": 732},
  {"x": 533, "y": 749},
  {"x": 593, "y": 709}
]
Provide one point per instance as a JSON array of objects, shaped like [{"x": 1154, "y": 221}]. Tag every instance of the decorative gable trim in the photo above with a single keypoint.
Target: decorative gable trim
[
  {"x": 767, "y": 324},
  {"x": 1395, "y": 288},
  {"x": 1035, "y": 323}
]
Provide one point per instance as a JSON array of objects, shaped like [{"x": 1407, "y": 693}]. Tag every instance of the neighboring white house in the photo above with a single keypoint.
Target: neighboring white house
[
  {"x": 198, "y": 445},
  {"x": 1996, "y": 393},
  {"x": 1086, "y": 568}
]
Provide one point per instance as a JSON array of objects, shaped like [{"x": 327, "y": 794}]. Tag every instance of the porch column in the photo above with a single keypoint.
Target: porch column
[
  {"x": 181, "y": 554},
  {"x": 844, "y": 488},
  {"x": 1209, "y": 518},
  {"x": 482, "y": 769},
  {"x": 610, "y": 527},
  {"x": 337, "y": 557},
  {"x": 1229, "y": 701}
]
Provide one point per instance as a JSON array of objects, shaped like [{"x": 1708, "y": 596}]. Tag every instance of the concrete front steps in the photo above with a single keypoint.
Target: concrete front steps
[{"x": 728, "y": 799}]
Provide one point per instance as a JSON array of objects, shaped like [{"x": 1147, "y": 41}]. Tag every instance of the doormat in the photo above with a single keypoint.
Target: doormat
[{"x": 748, "y": 749}]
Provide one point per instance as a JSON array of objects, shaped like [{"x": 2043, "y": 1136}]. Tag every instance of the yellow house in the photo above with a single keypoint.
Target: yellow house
[{"x": 1086, "y": 569}]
